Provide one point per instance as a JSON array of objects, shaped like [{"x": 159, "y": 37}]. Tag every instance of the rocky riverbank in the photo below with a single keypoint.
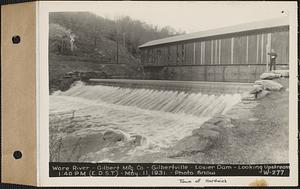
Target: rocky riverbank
[{"x": 254, "y": 131}]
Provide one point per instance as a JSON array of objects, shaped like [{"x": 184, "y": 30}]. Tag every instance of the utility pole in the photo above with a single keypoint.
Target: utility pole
[
  {"x": 124, "y": 39},
  {"x": 117, "y": 50}
]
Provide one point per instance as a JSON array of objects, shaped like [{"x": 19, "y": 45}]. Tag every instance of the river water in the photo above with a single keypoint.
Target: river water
[{"x": 160, "y": 118}]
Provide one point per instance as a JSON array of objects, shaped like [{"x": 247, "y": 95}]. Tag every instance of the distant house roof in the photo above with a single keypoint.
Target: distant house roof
[{"x": 265, "y": 24}]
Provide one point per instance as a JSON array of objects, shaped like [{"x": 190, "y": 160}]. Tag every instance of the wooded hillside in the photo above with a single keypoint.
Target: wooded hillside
[
  {"x": 85, "y": 42},
  {"x": 86, "y": 34}
]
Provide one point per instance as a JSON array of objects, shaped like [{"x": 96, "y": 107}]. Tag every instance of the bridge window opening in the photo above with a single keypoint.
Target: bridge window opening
[
  {"x": 177, "y": 54},
  {"x": 158, "y": 56},
  {"x": 216, "y": 57},
  {"x": 247, "y": 49},
  {"x": 154, "y": 56},
  {"x": 194, "y": 53},
  {"x": 219, "y": 51},
  {"x": 232, "y": 47},
  {"x": 262, "y": 49},
  {"x": 268, "y": 46},
  {"x": 147, "y": 56},
  {"x": 212, "y": 52},
  {"x": 257, "y": 48},
  {"x": 225, "y": 51},
  {"x": 252, "y": 49},
  {"x": 150, "y": 56},
  {"x": 239, "y": 49},
  {"x": 183, "y": 53},
  {"x": 207, "y": 49},
  {"x": 143, "y": 56},
  {"x": 202, "y": 52},
  {"x": 169, "y": 54}
]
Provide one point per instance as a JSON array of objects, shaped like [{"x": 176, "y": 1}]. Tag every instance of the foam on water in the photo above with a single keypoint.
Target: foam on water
[
  {"x": 159, "y": 100},
  {"x": 160, "y": 117}
]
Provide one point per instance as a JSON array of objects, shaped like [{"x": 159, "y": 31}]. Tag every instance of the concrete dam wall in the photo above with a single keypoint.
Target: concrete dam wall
[{"x": 186, "y": 86}]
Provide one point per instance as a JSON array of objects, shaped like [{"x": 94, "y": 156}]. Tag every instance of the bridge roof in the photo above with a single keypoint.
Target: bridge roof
[{"x": 258, "y": 25}]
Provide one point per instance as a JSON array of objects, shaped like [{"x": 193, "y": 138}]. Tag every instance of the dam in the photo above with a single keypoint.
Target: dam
[
  {"x": 144, "y": 118},
  {"x": 188, "y": 86}
]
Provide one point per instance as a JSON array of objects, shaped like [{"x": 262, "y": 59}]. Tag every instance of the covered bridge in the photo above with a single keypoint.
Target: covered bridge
[{"x": 237, "y": 53}]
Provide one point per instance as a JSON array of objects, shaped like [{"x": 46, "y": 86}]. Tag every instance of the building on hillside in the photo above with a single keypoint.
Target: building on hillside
[{"x": 236, "y": 54}]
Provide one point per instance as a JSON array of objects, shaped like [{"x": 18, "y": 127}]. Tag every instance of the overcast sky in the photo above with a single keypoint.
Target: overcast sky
[{"x": 186, "y": 16}]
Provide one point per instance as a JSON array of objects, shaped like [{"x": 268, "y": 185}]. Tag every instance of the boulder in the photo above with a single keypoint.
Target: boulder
[
  {"x": 217, "y": 124},
  {"x": 66, "y": 83},
  {"x": 210, "y": 126},
  {"x": 192, "y": 144},
  {"x": 256, "y": 89},
  {"x": 269, "y": 75},
  {"x": 248, "y": 96},
  {"x": 269, "y": 85},
  {"x": 282, "y": 73},
  {"x": 220, "y": 121},
  {"x": 224, "y": 122},
  {"x": 262, "y": 94},
  {"x": 72, "y": 147},
  {"x": 206, "y": 133},
  {"x": 137, "y": 140},
  {"x": 112, "y": 136}
]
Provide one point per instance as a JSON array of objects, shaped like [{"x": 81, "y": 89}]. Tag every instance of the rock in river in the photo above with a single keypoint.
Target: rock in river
[
  {"x": 248, "y": 96},
  {"x": 262, "y": 94},
  {"x": 282, "y": 73},
  {"x": 113, "y": 136},
  {"x": 256, "y": 89},
  {"x": 73, "y": 146},
  {"x": 192, "y": 144},
  {"x": 206, "y": 133},
  {"x": 269, "y": 85},
  {"x": 269, "y": 75}
]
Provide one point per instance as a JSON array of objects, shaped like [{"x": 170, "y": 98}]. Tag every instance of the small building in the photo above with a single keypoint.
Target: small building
[{"x": 235, "y": 54}]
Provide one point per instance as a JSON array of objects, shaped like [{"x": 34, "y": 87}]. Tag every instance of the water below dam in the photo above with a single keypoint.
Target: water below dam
[{"x": 102, "y": 123}]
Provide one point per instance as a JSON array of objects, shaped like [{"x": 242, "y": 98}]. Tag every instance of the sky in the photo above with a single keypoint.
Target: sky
[{"x": 187, "y": 16}]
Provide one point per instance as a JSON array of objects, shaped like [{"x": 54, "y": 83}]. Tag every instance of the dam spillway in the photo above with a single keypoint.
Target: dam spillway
[
  {"x": 187, "y": 86},
  {"x": 154, "y": 112},
  {"x": 185, "y": 102}
]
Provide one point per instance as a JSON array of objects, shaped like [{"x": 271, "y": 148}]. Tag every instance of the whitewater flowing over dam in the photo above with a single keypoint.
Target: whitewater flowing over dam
[
  {"x": 197, "y": 104},
  {"x": 131, "y": 122}
]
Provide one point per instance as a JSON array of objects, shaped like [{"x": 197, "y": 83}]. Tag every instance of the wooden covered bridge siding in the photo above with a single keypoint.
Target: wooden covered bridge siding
[{"x": 234, "y": 57}]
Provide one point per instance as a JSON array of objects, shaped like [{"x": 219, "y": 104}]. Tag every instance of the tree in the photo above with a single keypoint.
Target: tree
[{"x": 59, "y": 38}]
